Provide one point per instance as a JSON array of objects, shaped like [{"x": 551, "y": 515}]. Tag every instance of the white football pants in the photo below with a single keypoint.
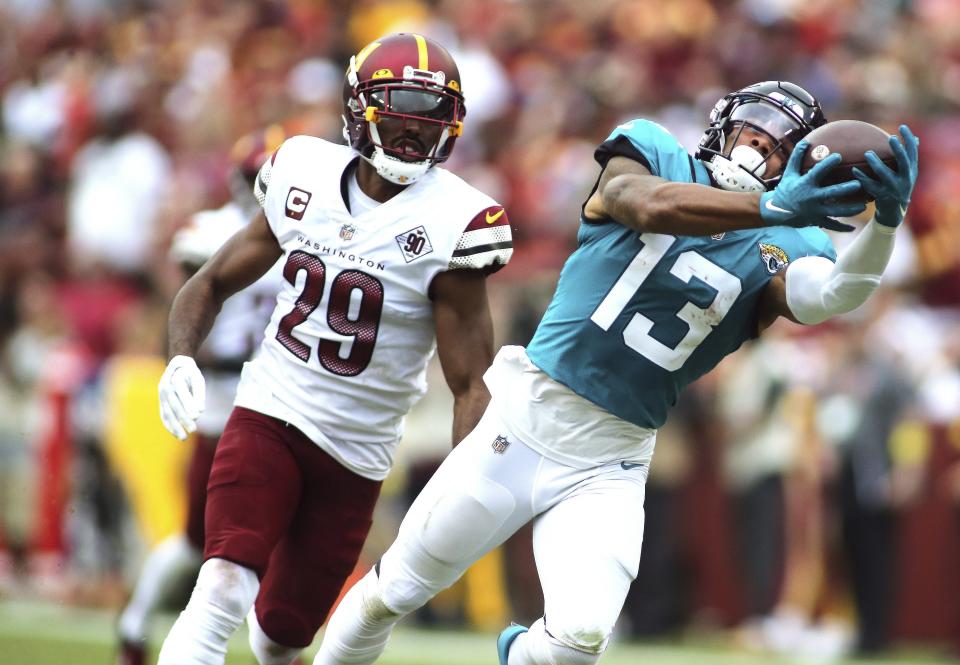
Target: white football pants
[{"x": 587, "y": 535}]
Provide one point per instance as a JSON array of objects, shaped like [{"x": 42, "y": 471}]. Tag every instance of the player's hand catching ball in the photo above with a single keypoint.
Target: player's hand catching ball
[
  {"x": 892, "y": 189},
  {"x": 801, "y": 199},
  {"x": 182, "y": 396}
]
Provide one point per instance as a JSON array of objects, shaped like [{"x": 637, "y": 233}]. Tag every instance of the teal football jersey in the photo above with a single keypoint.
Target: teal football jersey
[{"x": 638, "y": 316}]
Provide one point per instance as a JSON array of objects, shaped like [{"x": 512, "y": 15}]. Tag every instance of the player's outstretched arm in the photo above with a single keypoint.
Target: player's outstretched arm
[
  {"x": 464, "y": 343},
  {"x": 814, "y": 288},
  {"x": 630, "y": 194},
  {"x": 236, "y": 265}
]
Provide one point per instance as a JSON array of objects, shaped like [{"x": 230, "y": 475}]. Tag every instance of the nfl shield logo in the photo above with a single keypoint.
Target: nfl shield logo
[
  {"x": 347, "y": 231},
  {"x": 500, "y": 444}
]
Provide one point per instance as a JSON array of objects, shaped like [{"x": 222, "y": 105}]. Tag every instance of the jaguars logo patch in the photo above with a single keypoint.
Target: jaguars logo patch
[{"x": 774, "y": 259}]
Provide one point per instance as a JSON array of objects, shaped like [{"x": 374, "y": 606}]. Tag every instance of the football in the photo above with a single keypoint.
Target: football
[{"x": 850, "y": 138}]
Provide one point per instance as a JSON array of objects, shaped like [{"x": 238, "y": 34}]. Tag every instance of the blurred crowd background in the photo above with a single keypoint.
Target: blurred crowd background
[{"x": 804, "y": 496}]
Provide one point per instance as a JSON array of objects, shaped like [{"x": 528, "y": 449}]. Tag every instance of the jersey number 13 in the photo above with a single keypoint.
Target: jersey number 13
[{"x": 636, "y": 334}]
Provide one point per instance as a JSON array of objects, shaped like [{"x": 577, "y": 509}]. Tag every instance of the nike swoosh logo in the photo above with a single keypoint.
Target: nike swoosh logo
[
  {"x": 775, "y": 208},
  {"x": 492, "y": 218},
  {"x": 629, "y": 466}
]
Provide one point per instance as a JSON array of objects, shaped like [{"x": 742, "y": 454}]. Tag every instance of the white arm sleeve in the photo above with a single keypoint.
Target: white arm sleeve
[{"x": 818, "y": 288}]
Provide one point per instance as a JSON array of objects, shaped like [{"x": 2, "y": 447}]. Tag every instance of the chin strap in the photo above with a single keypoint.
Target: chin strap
[
  {"x": 396, "y": 170},
  {"x": 733, "y": 173}
]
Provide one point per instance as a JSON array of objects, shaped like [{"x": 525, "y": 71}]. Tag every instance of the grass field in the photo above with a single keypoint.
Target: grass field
[{"x": 47, "y": 634}]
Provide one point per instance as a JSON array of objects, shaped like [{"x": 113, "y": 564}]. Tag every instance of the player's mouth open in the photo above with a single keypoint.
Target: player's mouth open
[{"x": 409, "y": 146}]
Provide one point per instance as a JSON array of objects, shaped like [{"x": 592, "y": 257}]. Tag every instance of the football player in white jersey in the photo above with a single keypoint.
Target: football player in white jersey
[
  {"x": 385, "y": 259},
  {"x": 235, "y": 335}
]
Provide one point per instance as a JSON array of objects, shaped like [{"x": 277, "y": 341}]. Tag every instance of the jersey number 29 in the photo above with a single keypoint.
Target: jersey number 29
[
  {"x": 636, "y": 334},
  {"x": 360, "y": 321}
]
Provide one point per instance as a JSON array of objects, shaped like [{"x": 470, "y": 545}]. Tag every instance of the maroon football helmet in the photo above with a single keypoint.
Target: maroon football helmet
[
  {"x": 251, "y": 150},
  {"x": 410, "y": 80}
]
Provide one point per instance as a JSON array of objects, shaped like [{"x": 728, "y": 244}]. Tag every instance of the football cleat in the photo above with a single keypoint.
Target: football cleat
[{"x": 505, "y": 640}]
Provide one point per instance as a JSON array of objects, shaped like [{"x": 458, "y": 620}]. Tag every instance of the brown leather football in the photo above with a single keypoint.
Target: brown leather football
[{"x": 850, "y": 138}]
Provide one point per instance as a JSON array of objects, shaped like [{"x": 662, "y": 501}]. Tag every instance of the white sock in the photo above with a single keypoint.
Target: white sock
[
  {"x": 358, "y": 631},
  {"x": 266, "y": 650},
  {"x": 166, "y": 564},
  {"x": 536, "y": 647},
  {"x": 223, "y": 595}
]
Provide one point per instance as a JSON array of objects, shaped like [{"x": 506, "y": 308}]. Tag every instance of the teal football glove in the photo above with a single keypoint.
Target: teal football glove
[
  {"x": 800, "y": 200},
  {"x": 892, "y": 189}
]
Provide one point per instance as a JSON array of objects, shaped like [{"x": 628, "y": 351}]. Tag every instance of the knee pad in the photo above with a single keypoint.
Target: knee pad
[
  {"x": 407, "y": 577},
  {"x": 221, "y": 597},
  {"x": 540, "y": 647},
  {"x": 266, "y": 650},
  {"x": 585, "y": 638},
  {"x": 438, "y": 544},
  {"x": 372, "y": 606},
  {"x": 227, "y": 587},
  {"x": 389, "y": 591},
  {"x": 564, "y": 655}
]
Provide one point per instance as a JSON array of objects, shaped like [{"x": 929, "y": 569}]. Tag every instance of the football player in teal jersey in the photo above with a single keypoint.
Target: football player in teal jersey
[{"x": 681, "y": 258}]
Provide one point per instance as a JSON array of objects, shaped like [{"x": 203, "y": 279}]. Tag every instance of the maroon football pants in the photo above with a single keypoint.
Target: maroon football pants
[
  {"x": 198, "y": 474},
  {"x": 281, "y": 506}
]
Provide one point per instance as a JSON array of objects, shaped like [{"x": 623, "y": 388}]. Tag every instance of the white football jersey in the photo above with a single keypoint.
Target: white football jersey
[
  {"x": 345, "y": 354},
  {"x": 238, "y": 328}
]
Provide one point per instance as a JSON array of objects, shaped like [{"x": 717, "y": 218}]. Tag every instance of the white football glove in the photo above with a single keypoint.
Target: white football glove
[{"x": 182, "y": 396}]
